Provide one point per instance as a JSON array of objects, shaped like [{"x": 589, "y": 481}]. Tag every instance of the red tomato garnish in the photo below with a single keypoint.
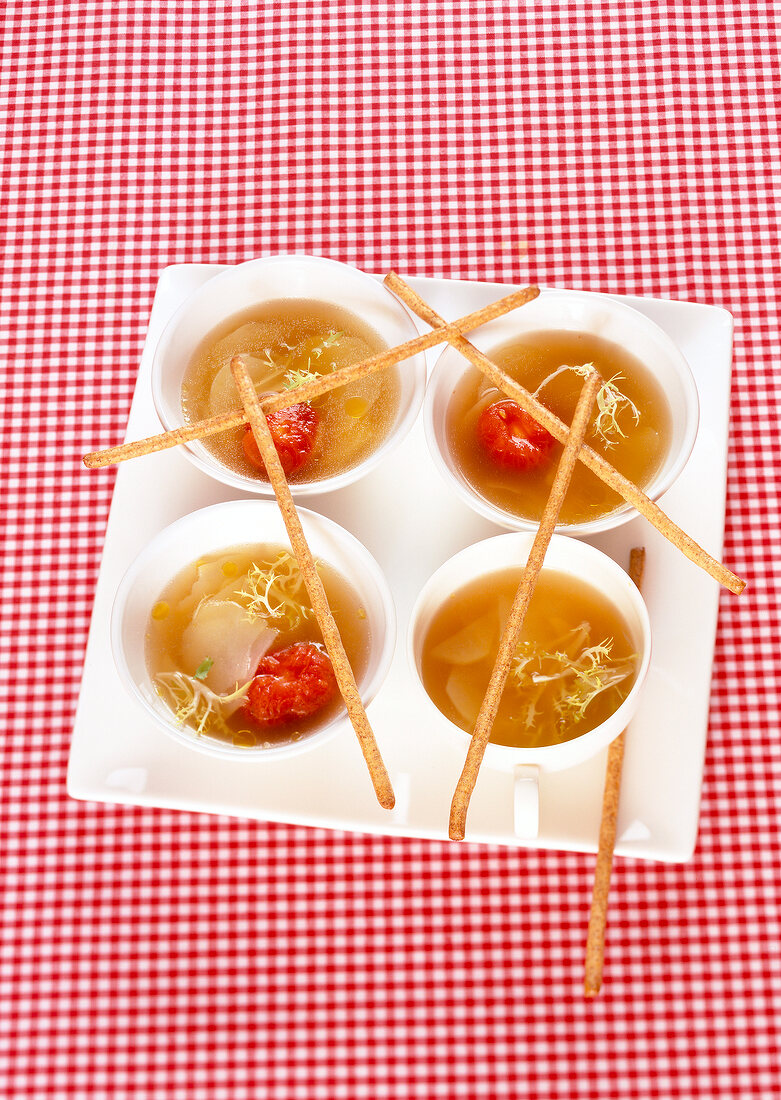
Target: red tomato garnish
[
  {"x": 511, "y": 437},
  {"x": 293, "y": 430},
  {"x": 292, "y": 683}
]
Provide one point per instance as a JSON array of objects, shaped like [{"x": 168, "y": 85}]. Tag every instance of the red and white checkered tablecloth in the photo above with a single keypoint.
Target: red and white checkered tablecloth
[{"x": 629, "y": 148}]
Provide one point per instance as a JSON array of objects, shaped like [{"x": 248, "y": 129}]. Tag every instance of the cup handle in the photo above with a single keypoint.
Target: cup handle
[{"x": 527, "y": 800}]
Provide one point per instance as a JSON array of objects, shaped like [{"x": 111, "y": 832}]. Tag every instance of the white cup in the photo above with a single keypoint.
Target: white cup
[
  {"x": 251, "y": 284},
  {"x": 208, "y": 531},
  {"x": 570, "y": 311},
  {"x": 564, "y": 555}
]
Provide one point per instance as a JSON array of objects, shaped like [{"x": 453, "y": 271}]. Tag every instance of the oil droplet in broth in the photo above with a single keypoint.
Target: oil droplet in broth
[{"x": 356, "y": 407}]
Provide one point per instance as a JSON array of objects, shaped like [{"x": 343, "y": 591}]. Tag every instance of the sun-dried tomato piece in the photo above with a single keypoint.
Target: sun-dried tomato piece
[
  {"x": 512, "y": 438},
  {"x": 293, "y": 430},
  {"x": 294, "y": 682}
]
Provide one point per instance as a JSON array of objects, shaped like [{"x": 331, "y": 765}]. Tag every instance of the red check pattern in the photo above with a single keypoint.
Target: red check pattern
[{"x": 629, "y": 148}]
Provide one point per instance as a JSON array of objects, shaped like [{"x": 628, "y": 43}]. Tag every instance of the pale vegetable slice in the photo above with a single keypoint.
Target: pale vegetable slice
[
  {"x": 210, "y": 580},
  {"x": 572, "y": 642},
  {"x": 465, "y": 695},
  {"x": 221, "y": 632},
  {"x": 647, "y": 439},
  {"x": 520, "y": 488},
  {"x": 252, "y": 338},
  {"x": 323, "y": 354},
  {"x": 222, "y": 395},
  {"x": 369, "y": 389},
  {"x": 486, "y": 388},
  {"x": 473, "y": 642},
  {"x": 353, "y": 439},
  {"x": 348, "y": 350},
  {"x": 475, "y": 411}
]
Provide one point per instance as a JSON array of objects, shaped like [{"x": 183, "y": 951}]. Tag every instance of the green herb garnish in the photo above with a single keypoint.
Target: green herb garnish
[
  {"x": 202, "y": 671},
  {"x": 295, "y": 378},
  {"x": 327, "y": 342}
]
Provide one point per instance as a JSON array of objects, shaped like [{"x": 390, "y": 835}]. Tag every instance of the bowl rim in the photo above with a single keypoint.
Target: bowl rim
[
  {"x": 208, "y": 746},
  {"x": 442, "y": 375},
  {"x": 201, "y": 458}
]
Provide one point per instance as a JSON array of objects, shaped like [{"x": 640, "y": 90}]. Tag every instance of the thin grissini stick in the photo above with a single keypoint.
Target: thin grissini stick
[
  {"x": 199, "y": 429},
  {"x": 314, "y": 586},
  {"x": 557, "y": 428},
  {"x": 311, "y": 390},
  {"x": 595, "y": 940},
  {"x": 512, "y": 631}
]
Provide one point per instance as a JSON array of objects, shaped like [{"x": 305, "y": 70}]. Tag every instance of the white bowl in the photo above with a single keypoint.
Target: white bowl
[
  {"x": 564, "y": 555},
  {"x": 240, "y": 523},
  {"x": 283, "y": 277},
  {"x": 570, "y": 311}
]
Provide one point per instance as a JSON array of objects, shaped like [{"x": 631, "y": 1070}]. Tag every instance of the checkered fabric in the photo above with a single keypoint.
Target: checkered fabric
[{"x": 620, "y": 147}]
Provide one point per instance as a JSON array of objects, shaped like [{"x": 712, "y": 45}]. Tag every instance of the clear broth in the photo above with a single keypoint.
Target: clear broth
[
  {"x": 354, "y": 419},
  {"x": 529, "y": 360},
  {"x": 214, "y": 574},
  {"x": 460, "y": 646}
]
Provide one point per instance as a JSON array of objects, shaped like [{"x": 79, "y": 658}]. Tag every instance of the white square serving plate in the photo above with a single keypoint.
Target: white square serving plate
[{"x": 412, "y": 522}]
